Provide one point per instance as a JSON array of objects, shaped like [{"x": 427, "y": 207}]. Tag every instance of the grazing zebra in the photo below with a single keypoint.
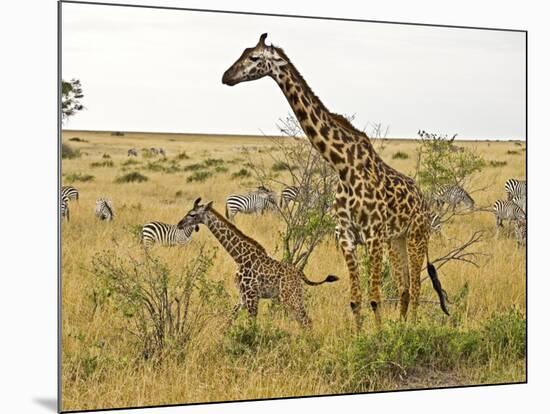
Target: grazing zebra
[
  {"x": 289, "y": 194},
  {"x": 516, "y": 189},
  {"x": 104, "y": 209},
  {"x": 453, "y": 195},
  {"x": 132, "y": 152},
  {"x": 435, "y": 223},
  {"x": 162, "y": 152},
  {"x": 154, "y": 151},
  {"x": 165, "y": 234},
  {"x": 64, "y": 208},
  {"x": 521, "y": 202},
  {"x": 520, "y": 230},
  {"x": 255, "y": 202},
  {"x": 69, "y": 192},
  {"x": 507, "y": 210}
]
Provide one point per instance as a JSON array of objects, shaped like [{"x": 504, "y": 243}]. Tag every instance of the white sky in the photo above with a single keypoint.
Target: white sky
[{"x": 160, "y": 70}]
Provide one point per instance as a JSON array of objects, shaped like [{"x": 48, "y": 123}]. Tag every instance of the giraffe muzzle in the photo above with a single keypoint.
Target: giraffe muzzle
[{"x": 227, "y": 79}]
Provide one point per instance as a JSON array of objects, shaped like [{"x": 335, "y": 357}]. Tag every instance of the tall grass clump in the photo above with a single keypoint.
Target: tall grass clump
[
  {"x": 242, "y": 173},
  {"x": 132, "y": 177},
  {"x": 400, "y": 155},
  {"x": 106, "y": 163},
  {"x": 199, "y": 176},
  {"x": 182, "y": 156},
  {"x": 68, "y": 152},
  {"x": 165, "y": 309},
  {"x": 78, "y": 177}
]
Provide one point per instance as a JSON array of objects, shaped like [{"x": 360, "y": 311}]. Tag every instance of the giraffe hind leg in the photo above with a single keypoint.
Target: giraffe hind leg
[
  {"x": 400, "y": 269},
  {"x": 416, "y": 248},
  {"x": 374, "y": 247}
]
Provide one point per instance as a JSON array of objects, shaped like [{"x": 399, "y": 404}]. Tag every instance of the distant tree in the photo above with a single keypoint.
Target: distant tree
[{"x": 71, "y": 94}]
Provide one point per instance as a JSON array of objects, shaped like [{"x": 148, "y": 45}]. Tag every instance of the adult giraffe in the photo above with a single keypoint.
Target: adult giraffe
[{"x": 374, "y": 203}]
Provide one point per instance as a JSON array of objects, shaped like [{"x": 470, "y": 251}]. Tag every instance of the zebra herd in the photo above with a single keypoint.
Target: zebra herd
[
  {"x": 262, "y": 200},
  {"x": 512, "y": 209},
  {"x": 133, "y": 152}
]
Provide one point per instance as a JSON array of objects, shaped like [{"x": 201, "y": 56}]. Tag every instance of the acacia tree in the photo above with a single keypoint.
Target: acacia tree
[
  {"x": 71, "y": 94},
  {"x": 294, "y": 162}
]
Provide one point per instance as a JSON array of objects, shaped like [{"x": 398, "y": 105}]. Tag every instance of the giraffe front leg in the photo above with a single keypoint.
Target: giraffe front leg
[
  {"x": 374, "y": 247},
  {"x": 349, "y": 251}
]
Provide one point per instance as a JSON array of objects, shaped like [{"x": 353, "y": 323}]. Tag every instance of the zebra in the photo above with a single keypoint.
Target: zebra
[
  {"x": 104, "y": 209},
  {"x": 521, "y": 202},
  {"x": 162, "y": 152},
  {"x": 65, "y": 208},
  {"x": 515, "y": 189},
  {"x": 453, "y": 195},
  {"x": 154, "y": 151},
  {"x": 435, "y": 223},
  {"x": 507, "y": 210},
  {"x": 255, "y": 202},
  {"x": 132, "y": 152},
  {"x": 289, "y": 194},
  {"x": 165, "y": 234},
  {"x": 520, "y": 230},
  {"x": 69, "y": 192}
]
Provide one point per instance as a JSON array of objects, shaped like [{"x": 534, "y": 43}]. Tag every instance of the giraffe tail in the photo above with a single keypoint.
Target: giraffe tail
[
  {"x": 328, "y": 279},
  {"x": 432, "y": 272}
]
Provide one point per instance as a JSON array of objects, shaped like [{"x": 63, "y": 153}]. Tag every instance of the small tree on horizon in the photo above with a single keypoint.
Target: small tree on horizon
[{"x": 71, "y": 94}]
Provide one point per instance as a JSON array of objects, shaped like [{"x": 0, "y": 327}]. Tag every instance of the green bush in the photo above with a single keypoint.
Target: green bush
[
  {"x": 77, "y": 139},
  {"x": 182, "y": 156},
  {"x": 129, "y": 162},
  {"x": 107, "y": 163},
  {"x": 399, "y": 155},
  {"x": 512, "y": 152},
  {"x": 68, "y": 152},
  {"x": 74, "y": 177},
  {"x": 133, "y": 177},
  {"x": 106, "y": 156},
  {"x": 179, "y": 194},
  {"x": 199, "y": 176},
  {"x": 194, "y": 167},
  {"x": 282, "y": 166},
  {"x": 494, "y": 163},
  {"x": 248, "y": 338},
  {"x": 242, "y": 173},
  {"x": 213, "y": 162}
]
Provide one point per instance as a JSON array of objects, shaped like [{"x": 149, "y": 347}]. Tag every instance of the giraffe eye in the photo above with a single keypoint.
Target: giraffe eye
[{"x": 254, "y": 58}]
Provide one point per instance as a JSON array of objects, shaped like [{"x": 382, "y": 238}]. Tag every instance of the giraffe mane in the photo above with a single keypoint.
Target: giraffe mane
[
  {"x": 236, "y": 230},
  {"x": 339, "y": 119}
]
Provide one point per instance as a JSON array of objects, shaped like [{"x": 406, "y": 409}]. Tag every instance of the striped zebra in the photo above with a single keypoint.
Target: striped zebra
[
  {"x": 154, "y": 151},
  {"x": 165, "y": 234},
  {"x": 257, "y": 201},
  {"x": 104, "y": 209},
  {"x": 69, "y": 192},
  {"x": 521, "y": 202},
  {"x": 507, "y": 210},
  {"x": 65, "y": 208},
  {"x": 520, "y": 231},
  {"x": 453, "y": 195},
  {"x": 515, "y": 189},
  {"x": 435, "y": 223},
  {"x": 289, "y": 194},
  {"x": 162, "y": 152},
  {"x": 132, "y": 152}
]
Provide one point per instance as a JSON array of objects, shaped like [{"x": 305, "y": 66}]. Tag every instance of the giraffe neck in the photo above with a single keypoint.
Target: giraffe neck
[
  {"x": 230, "y": 237},
  {"x": 326, "y": 131}
]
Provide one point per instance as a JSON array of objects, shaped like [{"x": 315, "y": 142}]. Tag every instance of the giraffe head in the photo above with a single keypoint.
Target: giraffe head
[
  {"x": 195, "y": 216},
  {"x": 255, "y": 63}
]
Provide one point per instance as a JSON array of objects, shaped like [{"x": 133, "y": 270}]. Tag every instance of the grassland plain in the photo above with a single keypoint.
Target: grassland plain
[{"x": 484, "y": 341}]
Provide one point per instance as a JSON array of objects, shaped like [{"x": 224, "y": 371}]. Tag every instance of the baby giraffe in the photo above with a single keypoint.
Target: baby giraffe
[{"x": 259, "y": 276}]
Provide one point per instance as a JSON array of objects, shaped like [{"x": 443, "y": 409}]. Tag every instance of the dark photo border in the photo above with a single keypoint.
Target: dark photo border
[{"x": 197, "y": 10}]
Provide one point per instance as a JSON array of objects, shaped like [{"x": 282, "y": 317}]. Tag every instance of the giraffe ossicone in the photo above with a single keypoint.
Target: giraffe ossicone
[{"x": 374, "y": 204}]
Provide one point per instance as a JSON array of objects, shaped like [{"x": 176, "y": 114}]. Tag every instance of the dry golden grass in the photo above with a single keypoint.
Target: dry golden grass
[{"x": 99, "y": 366}]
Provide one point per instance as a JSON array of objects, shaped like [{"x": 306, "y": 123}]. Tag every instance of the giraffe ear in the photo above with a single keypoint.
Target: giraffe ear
[
  {"x": 196, "y": 203},
  {"x": 261, "y": 42},
  {"x": 208, "y": 205}
]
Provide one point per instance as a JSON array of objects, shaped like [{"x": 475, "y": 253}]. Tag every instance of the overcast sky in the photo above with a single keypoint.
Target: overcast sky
[{"x": 160, "y": 70}]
